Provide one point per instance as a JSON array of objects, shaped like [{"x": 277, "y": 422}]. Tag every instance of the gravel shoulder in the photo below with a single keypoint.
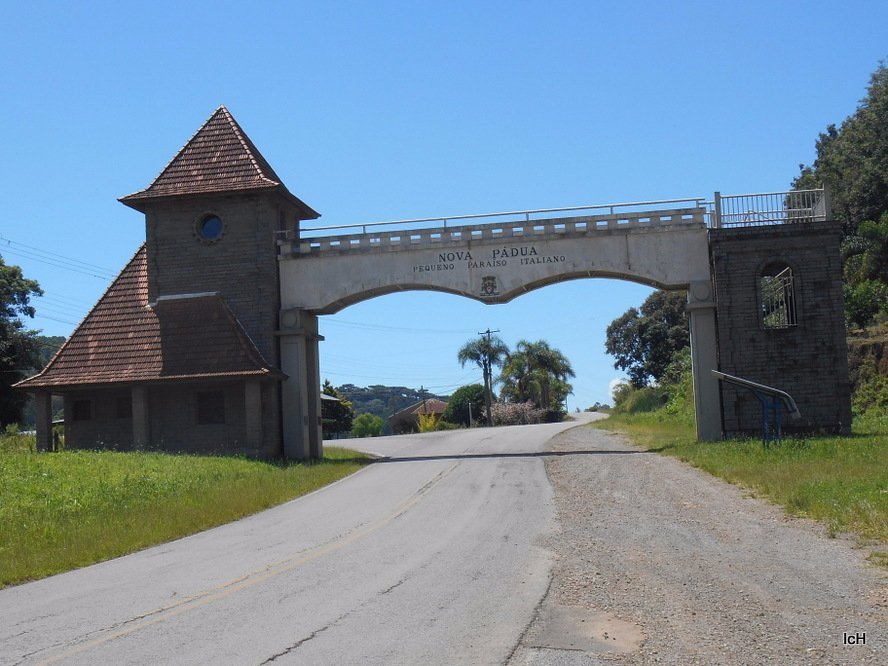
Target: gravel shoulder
[{"x": 659, "y": 563}]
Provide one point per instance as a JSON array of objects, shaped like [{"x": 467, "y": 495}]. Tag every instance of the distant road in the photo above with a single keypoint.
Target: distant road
[{"x": 431, "y": 557}]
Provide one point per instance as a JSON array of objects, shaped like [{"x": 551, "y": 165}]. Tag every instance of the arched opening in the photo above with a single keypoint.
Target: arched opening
[
  {"x": 411, "y": 338},
  {"x": 644, "y": 286},
  {"x": 777, "y": 296},
  {"x": 326, "y": 277}
]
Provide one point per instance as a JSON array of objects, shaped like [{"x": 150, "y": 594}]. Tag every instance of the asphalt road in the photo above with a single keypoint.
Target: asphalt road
[{"x": 431, "y": 557}]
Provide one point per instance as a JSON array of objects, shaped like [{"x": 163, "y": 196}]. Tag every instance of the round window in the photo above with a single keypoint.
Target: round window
[{"x": 210, "y": 228}]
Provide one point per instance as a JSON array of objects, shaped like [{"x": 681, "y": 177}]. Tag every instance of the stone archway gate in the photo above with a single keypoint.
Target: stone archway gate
[{"x": 493, "y": 259}]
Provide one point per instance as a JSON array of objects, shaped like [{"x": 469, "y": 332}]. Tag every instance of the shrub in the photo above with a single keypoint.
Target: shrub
[
  {"x": 620, "y": 393},
  {"x": 678, "y": 381},
  {"x": 367, "y": 425},
  {"x": 871, "y": 396},
  {"x": 554, "y": 415},
  {"x": 516, "y": 413},
  {"x": 427, "y": 422},
  {"x": 458, "y": 406},
  {"x": 647, "y": 399},
  {"x": 13, "y": 439}
]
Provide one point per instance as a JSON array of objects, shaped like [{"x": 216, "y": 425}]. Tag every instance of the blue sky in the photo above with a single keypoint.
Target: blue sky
[{"x": 373, "y": 111}]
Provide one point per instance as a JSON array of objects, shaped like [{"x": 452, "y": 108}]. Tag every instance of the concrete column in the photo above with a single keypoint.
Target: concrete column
[
  {"x": 253, "y": 410},
  {"x": 704, "y": 358},
  {"x": 141, "y": 427},
  {"x": 68, "y": 408},
  {"x": 313, "y": 372},
  {"x": 43, "y": 408},
  {"x": 300, "y": 392}
]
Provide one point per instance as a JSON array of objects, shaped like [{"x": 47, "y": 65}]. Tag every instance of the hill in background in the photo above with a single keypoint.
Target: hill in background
[{"x": 383, "y": 401}]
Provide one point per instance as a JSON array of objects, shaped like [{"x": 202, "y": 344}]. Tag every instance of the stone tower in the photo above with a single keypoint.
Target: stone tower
[{"x": 181, "y": 352}]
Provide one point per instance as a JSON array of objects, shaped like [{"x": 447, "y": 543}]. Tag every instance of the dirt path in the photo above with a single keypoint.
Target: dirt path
[{"x": 659, "y": 563}]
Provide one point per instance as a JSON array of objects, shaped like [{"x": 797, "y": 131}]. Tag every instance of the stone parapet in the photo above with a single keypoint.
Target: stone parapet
[{"x": 373, "y": 238}]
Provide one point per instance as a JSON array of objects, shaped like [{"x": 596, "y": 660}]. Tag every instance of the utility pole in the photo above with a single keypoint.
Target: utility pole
[{"x": 486, "y": 368}]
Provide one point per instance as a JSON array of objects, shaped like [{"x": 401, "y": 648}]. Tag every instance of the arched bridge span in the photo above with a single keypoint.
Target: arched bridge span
[
  {"x": 664, "y": 247},
  {"x": 667, "y": 249}
]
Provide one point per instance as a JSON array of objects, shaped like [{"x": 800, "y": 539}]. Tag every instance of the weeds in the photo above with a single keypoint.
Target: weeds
[
  {"x": 840, "y": 481},
  {"x": 60, "y": 511}
]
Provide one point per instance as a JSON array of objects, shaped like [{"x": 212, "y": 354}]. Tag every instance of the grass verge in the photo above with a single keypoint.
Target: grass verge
[
  {"x": 841, "y": 481},
  {"x": 60, "y": 511}
]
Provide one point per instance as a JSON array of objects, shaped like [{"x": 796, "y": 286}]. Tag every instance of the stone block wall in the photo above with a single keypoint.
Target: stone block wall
[
  {"x": 105, "y": 428},
  {"x": 808, "y": 360},
  {"x": 242, "y": 266},
  {"x": 174, "y": 426}
]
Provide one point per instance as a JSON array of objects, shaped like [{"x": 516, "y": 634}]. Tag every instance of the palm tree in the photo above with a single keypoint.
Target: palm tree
[
  {"x": 486, "y": 352},
  {"x": 537, "y": 372}
]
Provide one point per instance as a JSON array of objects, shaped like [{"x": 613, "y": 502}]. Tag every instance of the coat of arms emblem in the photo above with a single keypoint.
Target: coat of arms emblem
[{"x": 488, "y": 286}]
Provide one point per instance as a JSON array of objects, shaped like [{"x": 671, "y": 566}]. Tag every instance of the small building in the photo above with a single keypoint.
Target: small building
[
  {"x": 407, "y": 420},
  {"x": 181, "y": 352}
]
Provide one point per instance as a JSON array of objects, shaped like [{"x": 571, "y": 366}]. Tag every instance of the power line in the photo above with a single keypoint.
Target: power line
[
  {"x": 382, "y": 327},
  {"x": 56, "y": 260},
  {"x": 66, "y": 300},
  {"x": 61, "y": 257},
  {"x": 56, "y": 307},
  {"x": 56, "y": 264},
  {"x": 61, "y": 321},
  {"x": 393, "y": 378},
  {"x": 345, "y": 362}
]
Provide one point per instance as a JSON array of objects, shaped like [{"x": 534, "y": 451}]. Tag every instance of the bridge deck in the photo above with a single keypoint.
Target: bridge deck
[
  {"x": 740, "y": 210},
  {"x": 559, "y": 227}
]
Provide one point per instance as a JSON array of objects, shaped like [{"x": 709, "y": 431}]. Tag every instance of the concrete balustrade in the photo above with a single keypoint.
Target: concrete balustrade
[{"x": 401, "y": 239}]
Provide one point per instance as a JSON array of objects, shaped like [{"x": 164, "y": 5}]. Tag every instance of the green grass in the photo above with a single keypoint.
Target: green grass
[
  {"x": 841, "y": 481},
  {"x": 60, "y": 511}
]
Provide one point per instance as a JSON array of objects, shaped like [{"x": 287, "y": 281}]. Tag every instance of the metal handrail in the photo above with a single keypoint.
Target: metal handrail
[
  {"x": 697, "y": 201},
  {"x": 769, "y": 397},
  {"x": 791, "y": 406},
  {"x": 768, "y": 194},
  {"x": 718, "y": 216},
  {"x": 769, "y": 208}
]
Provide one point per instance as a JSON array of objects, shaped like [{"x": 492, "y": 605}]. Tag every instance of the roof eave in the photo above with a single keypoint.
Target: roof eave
[
  {"x": 265, "y": 375},
  {"x": 139, "y": 200}
]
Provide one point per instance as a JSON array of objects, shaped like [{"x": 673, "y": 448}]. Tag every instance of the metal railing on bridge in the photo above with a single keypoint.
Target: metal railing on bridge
[
  {"x": 769, "y": 208},
  {"x": 495, "y": 226},
  {"x": 723, "y": 211}
]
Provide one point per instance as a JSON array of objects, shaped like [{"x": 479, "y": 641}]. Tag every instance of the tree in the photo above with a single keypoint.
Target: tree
[
  {"x": 336, "y": 415},
  {"x": 538, "y": 373},
  {"x": 367, "y": 425},
  {"x": 865, "y": 272},
  {"x": 19, "y": 348},
  {"x": 644, "y": 341},
  {"x": 465, "y": 403},
  {"x": 852, "y": 160},
  {"x": 487, "y": 352},
  {"x": 47, "y": 346}
]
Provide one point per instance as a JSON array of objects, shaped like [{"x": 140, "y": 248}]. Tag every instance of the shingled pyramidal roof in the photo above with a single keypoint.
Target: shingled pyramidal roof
[
  {"x": 219, "y": 158},
  {"x": 125, "y": 340}
]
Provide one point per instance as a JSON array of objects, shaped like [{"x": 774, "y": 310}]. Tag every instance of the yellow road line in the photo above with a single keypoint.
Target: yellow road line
[{"x": 225, "y": 590}]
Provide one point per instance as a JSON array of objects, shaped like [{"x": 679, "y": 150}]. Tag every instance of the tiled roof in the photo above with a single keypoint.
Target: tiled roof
[
  {"x": 219, "y": 158},
  {"x": 124, "y": 340},
  {"x": 429, "y": 406}
]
